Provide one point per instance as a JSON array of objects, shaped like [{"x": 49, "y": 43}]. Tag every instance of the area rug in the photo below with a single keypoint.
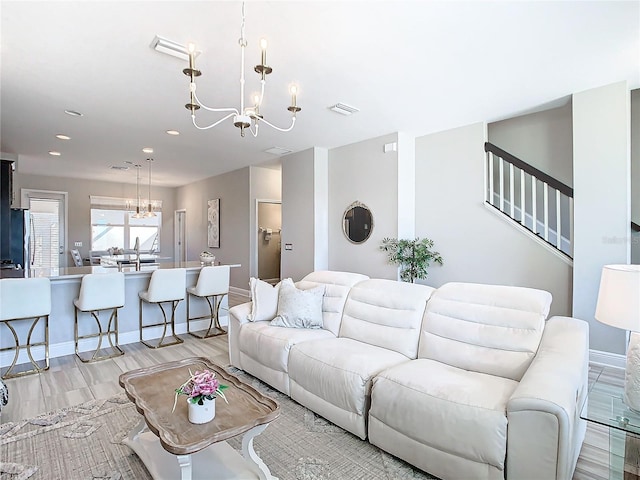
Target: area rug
[{"x": 85, "y": 443}]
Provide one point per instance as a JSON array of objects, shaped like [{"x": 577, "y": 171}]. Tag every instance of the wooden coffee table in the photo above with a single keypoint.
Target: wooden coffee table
[{"x": 162, "y": 437}]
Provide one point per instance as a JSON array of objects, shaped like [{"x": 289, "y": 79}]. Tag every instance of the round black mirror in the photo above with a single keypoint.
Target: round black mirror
[{"x": 357, "y": 222}]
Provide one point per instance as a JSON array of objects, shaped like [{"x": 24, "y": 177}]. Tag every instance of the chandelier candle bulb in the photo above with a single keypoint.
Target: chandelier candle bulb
[{"x": 263, "y": 47}]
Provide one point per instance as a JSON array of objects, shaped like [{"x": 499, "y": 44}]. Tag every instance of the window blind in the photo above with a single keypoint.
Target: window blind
[{"x": 126, "y": 204}]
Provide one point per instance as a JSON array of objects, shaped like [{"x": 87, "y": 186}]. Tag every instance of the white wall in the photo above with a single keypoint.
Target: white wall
[
  {"x": 298, "y": 223},
  {"x": 363, "y": 172},
  {"x": 542, "y": 139},
  {"x": 79, "y": 208},
  {"x": 601, "y": 180},
  {"x": 233, "y": 191},
  {"x": 635, "y": 173},
  {"x": 475, "y": 243}
]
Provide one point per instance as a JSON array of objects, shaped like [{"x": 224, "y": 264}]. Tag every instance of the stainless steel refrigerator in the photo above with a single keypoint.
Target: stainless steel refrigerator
[{"x": 20, "y": 240}]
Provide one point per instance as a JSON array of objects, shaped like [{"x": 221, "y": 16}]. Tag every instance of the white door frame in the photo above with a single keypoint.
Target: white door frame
[
  {"x": 176, "y": 235},
  {"x": 255, "y": 233},
  {"x": 27, "y": 193}
]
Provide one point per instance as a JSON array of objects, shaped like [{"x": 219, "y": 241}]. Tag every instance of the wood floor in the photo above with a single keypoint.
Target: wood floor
[{"x": 70, "y": 382}]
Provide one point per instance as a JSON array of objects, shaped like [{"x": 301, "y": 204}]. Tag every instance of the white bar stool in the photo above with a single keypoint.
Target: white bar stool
[
  {"x": 100, "y": 291},
  {"x": 25, "y": 299},
  {"x": 213, "y": 285},
  {"x": 165, "y": 286}
]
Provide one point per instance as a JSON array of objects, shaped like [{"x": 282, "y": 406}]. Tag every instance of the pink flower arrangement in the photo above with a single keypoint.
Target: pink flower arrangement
[{"x": 200, "y": 386}]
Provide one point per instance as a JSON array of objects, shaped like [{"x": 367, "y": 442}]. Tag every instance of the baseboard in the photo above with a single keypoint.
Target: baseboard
[
  {"x": 607, "y": 359},
  {"x": 240, "y": 291},
  {"x": 68, "y": 348}
]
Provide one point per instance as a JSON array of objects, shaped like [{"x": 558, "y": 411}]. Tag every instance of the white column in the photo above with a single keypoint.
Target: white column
[{"x": 601, "y": 210}]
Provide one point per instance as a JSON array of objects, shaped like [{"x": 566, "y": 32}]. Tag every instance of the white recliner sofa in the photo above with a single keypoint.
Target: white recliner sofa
[{"x": 467, "y": 381}]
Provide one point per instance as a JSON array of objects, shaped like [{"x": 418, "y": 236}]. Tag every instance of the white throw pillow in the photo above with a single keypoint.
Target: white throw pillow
[
  {"x": 264, "y": 300},
  {"x": 299, "y": 308}
]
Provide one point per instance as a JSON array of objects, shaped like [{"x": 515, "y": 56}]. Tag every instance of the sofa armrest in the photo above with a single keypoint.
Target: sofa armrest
[
  {"x": 545, "y": 431},
  {"x": 237, "y": 318}
]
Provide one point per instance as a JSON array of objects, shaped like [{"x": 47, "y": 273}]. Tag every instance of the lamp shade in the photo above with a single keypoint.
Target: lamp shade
[{"x": 619, "y": 297}]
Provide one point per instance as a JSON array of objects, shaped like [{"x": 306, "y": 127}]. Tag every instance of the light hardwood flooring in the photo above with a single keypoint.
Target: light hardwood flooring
[{"x": 70, "y": 382}]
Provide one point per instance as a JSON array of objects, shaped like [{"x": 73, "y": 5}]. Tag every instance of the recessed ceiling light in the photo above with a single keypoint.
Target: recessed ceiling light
[
  {"x": 147, "y": 150},
  {"x": 63, "y": 137},
  {"x": 73, "y": 113},
  {"x": 278, "y": 150},
  {"x": 173, "y": 132},
  {"x": 55, "y": 154}
]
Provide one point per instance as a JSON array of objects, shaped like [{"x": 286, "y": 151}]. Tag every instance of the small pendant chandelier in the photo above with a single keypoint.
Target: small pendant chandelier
[
  {"x": 139, "y": 213},
  {"x": 149, "y": 212},
  {"x": 246, "y": 117}
]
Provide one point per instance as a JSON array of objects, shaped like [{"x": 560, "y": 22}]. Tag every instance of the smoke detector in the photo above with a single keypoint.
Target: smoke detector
[{"x": 343, "y": 109}]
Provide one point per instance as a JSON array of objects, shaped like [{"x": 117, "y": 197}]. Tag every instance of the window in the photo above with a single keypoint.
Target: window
[{"x": 112, "y": 226}]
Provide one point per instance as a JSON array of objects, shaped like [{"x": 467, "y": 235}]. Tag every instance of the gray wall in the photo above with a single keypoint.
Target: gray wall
[
  {"x": 233, "y": 191},
  {"x": 601, "y": 214},
  {"x": 363, "y": 172},
  {"x": 542, "y": 139},
  {"x": 79, "y": 208},
  {"x": 476, "y": 244},
  {"x": 298, "y": 225}
]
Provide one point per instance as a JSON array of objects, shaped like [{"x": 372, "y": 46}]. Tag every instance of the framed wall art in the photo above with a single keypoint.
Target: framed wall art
[{"x": 213, "y": 223}]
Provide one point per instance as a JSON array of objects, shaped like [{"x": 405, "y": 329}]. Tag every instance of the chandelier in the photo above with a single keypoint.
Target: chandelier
[{"x": 246, "y": 117}]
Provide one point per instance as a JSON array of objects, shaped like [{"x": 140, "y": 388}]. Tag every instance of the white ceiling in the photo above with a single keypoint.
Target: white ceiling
[{"x": 415, "y": 66}]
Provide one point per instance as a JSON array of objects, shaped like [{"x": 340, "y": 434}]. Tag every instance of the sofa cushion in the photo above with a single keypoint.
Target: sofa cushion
[
  {"x": 446, "y": 408},
  {"x": 264, "y": 300},
  {"x": 337, "y": 286},
  {"x": 299, "y": 308},
  {"x": 340, "y": 370},
  {"x": 386, "y": 313},
  {"x": 270, "y": 345},
  {"x": 491, "y": 329}
]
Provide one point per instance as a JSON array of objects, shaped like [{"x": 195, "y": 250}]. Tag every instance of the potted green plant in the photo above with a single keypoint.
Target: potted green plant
[{"x": 413, "y": 256}]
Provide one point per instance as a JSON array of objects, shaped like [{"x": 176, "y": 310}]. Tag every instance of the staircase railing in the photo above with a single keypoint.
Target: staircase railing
[{"x": 538, "y": 202}]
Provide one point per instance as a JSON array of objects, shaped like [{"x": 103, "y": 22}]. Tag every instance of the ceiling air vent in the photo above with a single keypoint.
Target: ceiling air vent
[
  {"x": 119, "y": 167},
  {"x": 343, "y": 109},
  {"x": 277, "y": 150}
]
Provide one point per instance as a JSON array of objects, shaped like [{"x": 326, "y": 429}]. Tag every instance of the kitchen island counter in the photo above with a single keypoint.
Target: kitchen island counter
[{"x": 65, "y": 287}]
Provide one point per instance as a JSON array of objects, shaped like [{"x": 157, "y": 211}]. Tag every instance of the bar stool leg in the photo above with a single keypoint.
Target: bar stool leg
[
  {"x": 112, "y": 329},
  {"x": 214, "y": 322},
  {"x": 164, "y": 324},
  {"x": 27, "y": 346}
]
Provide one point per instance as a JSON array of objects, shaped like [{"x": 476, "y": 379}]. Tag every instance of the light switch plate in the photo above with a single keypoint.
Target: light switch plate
[
  {"x": 288, "y": 246},
  {"x": 78, "y": 244}
]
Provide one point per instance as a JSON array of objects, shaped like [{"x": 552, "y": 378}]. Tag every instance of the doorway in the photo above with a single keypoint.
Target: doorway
[
  {"x": 48, "y": 214},
  {"x": 180, "y": 235},
  {"x": 268, "y": 243}
]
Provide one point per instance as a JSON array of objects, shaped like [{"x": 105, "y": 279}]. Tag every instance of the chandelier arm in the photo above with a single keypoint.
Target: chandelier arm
[
  {"x": 254, "y": 133},
  {"x": 193, "y": 119},
  {"x": 293, "y": 123},
  {"x": 228, "y": 109}
]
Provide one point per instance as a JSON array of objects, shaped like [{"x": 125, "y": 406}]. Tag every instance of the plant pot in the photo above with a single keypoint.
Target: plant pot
[{"x": 202, "y": 413}]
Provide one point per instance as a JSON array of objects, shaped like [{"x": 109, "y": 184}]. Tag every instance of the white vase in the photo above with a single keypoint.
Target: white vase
[{"x": 202, "y": 413}]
